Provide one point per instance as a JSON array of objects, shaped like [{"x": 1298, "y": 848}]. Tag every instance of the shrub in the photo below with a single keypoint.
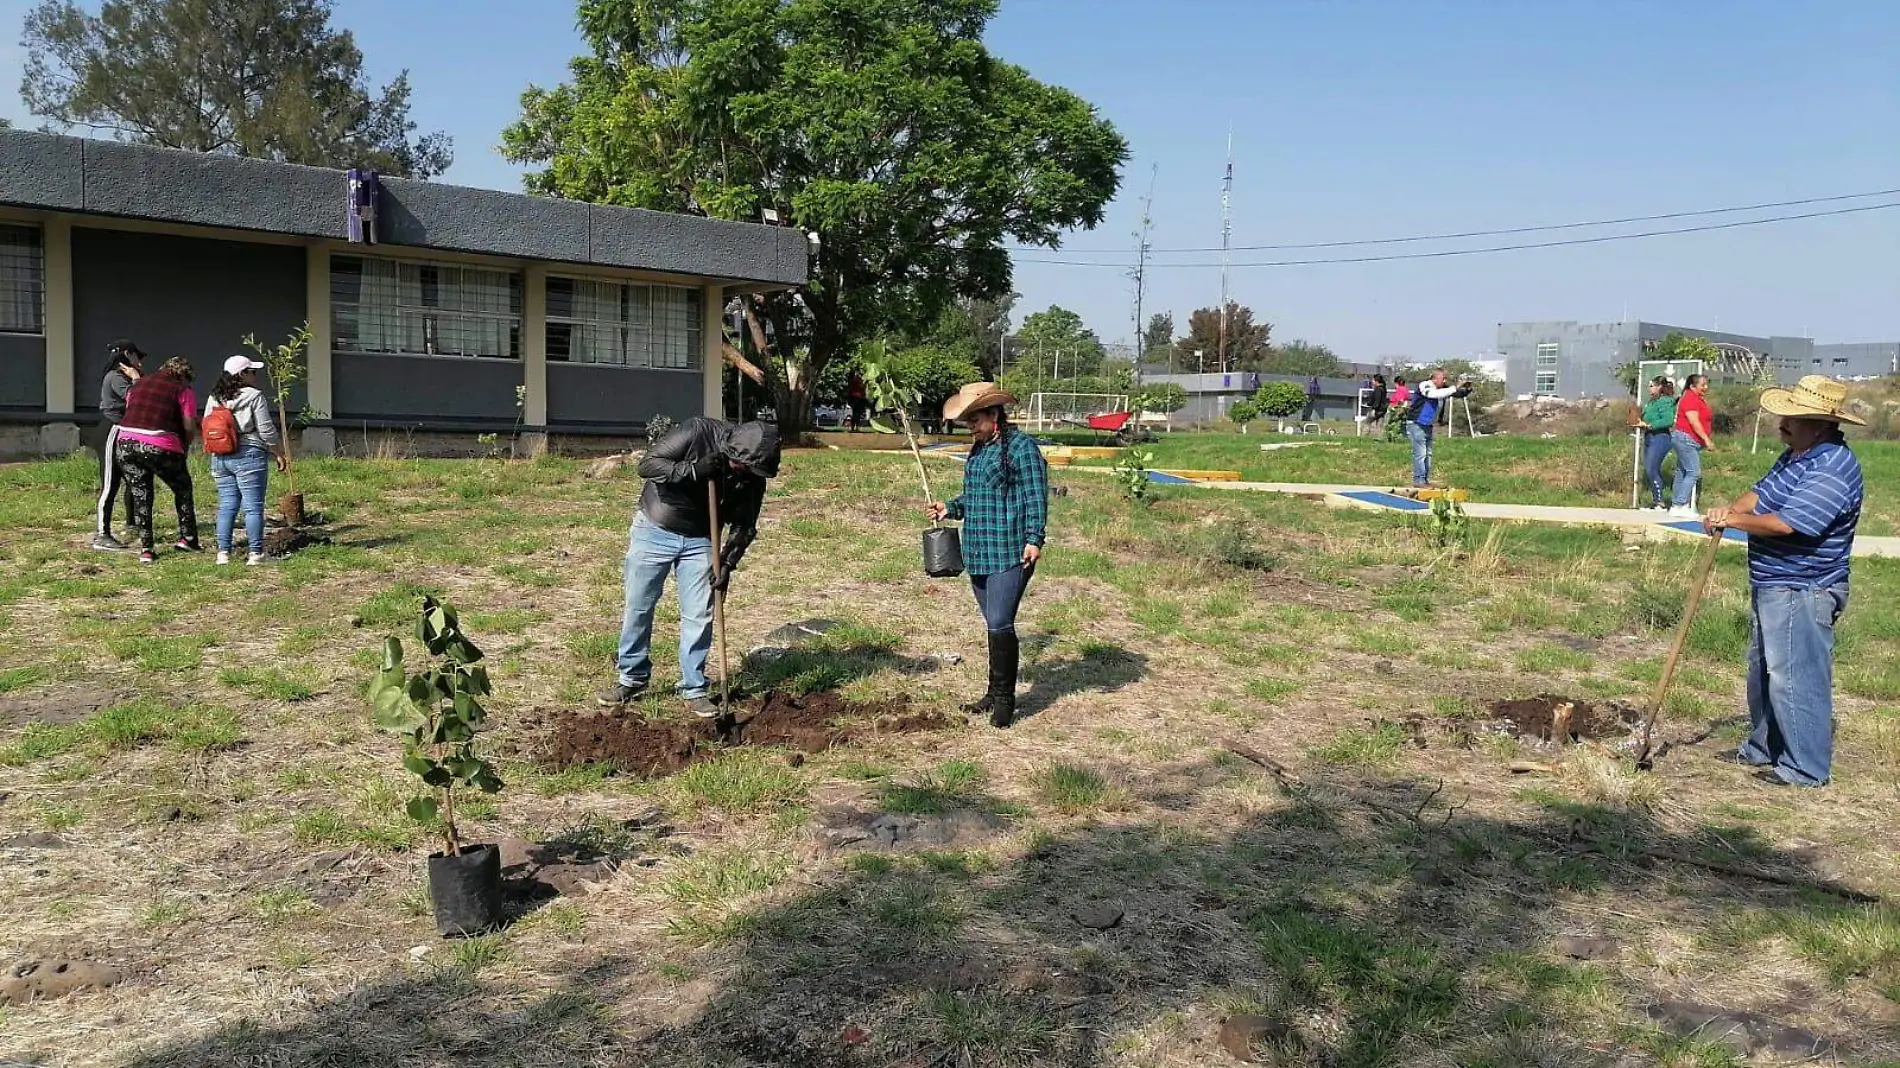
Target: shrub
[{"x": 1280, "y": 399}]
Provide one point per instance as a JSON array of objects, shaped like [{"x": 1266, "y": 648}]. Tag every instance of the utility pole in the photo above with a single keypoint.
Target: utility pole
[
  {"x": 1141, "y": 268},
  {"x": 1226, "y": 237}
]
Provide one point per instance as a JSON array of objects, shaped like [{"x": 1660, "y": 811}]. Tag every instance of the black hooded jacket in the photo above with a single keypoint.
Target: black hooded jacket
[{"x": 678, "y": 467}]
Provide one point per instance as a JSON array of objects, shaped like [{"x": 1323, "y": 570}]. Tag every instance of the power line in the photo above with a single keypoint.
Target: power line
[
  {"x": 1491, "y": 248},
  {"x": 1512, "y": 230}
]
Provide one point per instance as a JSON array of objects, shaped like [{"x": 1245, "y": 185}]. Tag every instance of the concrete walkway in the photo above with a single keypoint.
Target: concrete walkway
[{"x": 1382, "y": 499}]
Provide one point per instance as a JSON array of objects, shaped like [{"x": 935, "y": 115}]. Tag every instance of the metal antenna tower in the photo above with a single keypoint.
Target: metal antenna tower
[
  {"x": 1140, "y": 273},
  {"x": 1226, "y": 238}
]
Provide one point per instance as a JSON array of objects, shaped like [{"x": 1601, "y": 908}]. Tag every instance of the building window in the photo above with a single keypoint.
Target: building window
[
  {"x": 1547, "y": 354},
  {"x": 424, "y": 309},
  {"x": 623, "y": 324},
  {"x": 1839, "y": 361},
  {"x": 22, "y": 280},
  {"x": 1546, "y": 384}
]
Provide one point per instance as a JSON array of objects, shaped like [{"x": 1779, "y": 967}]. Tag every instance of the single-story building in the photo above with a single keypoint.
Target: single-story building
[{"x": 433, "y": 309}]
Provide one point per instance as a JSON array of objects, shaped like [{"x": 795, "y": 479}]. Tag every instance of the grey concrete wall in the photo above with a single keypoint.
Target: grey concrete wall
[
  {"x": 587, "y": 395},
  {"x": 424, "y": 389},
  {"x": 1586, "y": 361},
  {"x": 1854, "y": 360},
  {"x": 1210, "y": 395},
  {"x": 23, "y": 372},
  {"x": 178, "y": 296},
  {"x": 73, "y": 174}
]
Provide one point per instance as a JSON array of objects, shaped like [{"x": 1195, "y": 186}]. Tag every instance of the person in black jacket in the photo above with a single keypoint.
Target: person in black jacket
[
  {"x": 672, "y": 532},
  {"x": 127, "y": 362}
]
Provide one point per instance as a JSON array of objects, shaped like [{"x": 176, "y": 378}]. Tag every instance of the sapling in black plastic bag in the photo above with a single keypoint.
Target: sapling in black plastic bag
[{"x": 943, "y": 548}]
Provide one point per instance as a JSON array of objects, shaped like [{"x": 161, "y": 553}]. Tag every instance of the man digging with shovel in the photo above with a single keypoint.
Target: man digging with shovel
[{"x": 705, "y": 472}]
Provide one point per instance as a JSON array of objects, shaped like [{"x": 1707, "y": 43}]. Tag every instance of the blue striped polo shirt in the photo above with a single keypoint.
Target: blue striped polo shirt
[{"x": 1818, "y": 493}]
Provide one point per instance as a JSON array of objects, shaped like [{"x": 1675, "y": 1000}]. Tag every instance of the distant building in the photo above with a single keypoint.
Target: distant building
[
  {"x": 1211, "y": 395},
  {"x": 1572, "y": 360}
]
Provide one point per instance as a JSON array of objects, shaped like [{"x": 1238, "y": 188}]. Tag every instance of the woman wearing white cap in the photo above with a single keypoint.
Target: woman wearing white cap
[{"x": 243, "y": 472}]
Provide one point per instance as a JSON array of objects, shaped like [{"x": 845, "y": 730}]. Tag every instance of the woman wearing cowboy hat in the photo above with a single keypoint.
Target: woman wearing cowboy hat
[
  {"x": 1005, "y": 508},
  {"x": 1800, "y": 521}
]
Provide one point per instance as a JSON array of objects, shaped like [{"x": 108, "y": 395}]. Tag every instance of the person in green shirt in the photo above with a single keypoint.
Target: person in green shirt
[{"x": 1659, "y": 417}]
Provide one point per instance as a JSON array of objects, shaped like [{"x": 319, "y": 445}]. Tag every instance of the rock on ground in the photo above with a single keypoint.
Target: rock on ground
[{"x": 38, "y": 980}]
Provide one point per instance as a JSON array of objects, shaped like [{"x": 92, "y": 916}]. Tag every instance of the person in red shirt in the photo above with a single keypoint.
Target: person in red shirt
[
  {"x": 860, "y": 405},
  {"x": 1693, "y": 433}
]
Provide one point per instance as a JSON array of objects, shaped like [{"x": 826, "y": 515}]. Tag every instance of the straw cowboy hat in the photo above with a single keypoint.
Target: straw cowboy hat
[
  {"x": 1814, "y": 397},
  {"x": 974, "y": 398}
]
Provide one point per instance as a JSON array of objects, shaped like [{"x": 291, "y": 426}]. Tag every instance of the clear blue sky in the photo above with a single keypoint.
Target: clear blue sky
[{"x": 1376, "y": 118}]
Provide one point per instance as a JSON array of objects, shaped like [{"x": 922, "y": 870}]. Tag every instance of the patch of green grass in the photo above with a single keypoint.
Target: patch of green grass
[
  {"x": 266, "y": 684},
  {"x": 394, "y": 608},
  {"x": 1392, "y": 987},
  {"x": 502, "y": 620},
  {"x": 160, "y": 915},
  {"x": 1410, "y": 605},
  {"x": 61, "y": 817},
  {"x": 1070, "y": 788},
  {"x": 719, "y": 878},
  {"x": 870, "y": 864},
  {"x": 1157, "y": 613},
  {"x": 1720, "y": 632},
  {"x": 988, "y": 1027},
  {"x": 127, "y": 726},
  {"x": 579, "y": 778},
  {"x": 1272, "y": 691},
  {"x": 1848, "y": 941},
  {"x": 740, "y": 781},
  {"x": 302, "y": 639},
  {"x": 593, "y": 647},
  {"x": 181, "y": 653},
  {"x": 1377, "y": 744},
  {"x": 472, "y": 956},
  {"x": 563, "y": 918},
  {"x": 952, "y": 784},
  {"x": 281, "y": 906},
  {"x": 19, "y": 678},
  {"x": 1546, "y": 659}
]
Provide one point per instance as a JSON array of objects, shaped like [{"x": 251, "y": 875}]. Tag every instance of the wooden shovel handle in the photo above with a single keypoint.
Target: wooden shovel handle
[{"x": 1698, "y": 585}]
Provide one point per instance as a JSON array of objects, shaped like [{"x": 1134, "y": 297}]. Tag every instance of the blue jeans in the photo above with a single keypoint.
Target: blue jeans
[
  {"x": 999, "y": 595},
  {"x": 241, "y": 478},
  {"x": 1656, "y": 447},
  {"x": 652, "y": 552},
  {"x": 1791, "y": 681},
  {"x": 1688, "y": 466},
  {"x": 1421, "y": 435}
]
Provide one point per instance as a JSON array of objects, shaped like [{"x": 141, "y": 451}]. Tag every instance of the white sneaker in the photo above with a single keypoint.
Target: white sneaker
[
  {"x": 223, "y": 558},
  {"x": 253, "y": 559}
]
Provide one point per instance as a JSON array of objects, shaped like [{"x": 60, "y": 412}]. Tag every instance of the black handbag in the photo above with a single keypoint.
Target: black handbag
[{"x": 943, "y": 552}]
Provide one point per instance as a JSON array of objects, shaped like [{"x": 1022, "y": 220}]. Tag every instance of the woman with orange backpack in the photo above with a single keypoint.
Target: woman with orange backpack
[{"x": 241, "y": 438}]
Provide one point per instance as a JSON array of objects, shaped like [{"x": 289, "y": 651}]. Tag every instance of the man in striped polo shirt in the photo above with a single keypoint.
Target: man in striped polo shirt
[{"x": 1800, "y": 521}]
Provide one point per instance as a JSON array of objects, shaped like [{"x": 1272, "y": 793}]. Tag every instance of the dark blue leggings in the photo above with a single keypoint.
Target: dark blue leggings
[{"x": 999, "y": 595}]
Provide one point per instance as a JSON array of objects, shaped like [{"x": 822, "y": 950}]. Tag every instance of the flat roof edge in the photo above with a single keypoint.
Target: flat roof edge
[{"x": 54, "y": 172}]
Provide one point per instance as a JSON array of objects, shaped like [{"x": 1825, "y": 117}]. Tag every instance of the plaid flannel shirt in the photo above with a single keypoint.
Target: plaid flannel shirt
[{"x": 999, "y": 520}]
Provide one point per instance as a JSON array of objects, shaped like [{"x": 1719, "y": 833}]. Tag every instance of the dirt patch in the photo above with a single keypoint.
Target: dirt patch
[
  {"x": 58, "y": 705},
  {"x": 811, "y": 723},
  {"x": 1549, "y": 717}
]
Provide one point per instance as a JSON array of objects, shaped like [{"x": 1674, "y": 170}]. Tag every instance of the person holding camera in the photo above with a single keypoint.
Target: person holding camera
[{"x": 1428, "y": 404}]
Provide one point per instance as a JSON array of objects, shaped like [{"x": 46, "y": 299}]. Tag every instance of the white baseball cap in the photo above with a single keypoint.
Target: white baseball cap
[{"x": 237, "y": 365}]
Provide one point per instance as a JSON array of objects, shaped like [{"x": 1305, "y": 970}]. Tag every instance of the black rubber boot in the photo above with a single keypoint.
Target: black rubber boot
[{"x": 1005, "y": 653}]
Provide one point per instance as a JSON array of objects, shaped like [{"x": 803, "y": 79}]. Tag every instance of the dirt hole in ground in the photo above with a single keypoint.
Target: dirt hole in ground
[
  {"x": 1550, "y": 717},
  {"x": 807, "y": 723}
]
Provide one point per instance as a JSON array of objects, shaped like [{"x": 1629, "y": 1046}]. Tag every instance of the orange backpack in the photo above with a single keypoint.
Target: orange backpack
[{"x": 220, "y": 430}]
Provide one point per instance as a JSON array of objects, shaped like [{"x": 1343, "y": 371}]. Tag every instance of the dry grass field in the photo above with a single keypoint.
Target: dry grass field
[{"x": 1259, "y": 783}]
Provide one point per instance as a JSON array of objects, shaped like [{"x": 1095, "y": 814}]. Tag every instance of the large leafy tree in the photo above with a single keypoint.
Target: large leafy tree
[
  {"x": 1055, "y": 342},
  {"x": 883, "y": 127},
  {"x": 262, "y": 78},
  {"x": 1158, "y": 336},
  {"x": 1247, "y": 347},
  {"x": 1302, "y": 358}
]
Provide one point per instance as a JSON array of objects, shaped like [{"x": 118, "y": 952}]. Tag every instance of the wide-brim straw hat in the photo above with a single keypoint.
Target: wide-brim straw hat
[
  {"x": 1814, "y": 397},
  {"x": 974, "y": 398}
]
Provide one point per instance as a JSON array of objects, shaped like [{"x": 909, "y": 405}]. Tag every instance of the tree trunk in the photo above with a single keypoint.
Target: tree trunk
[{"x": 793, "y": 404}]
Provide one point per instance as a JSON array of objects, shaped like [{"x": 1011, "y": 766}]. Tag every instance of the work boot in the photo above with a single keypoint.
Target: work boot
[
  {"x": 979, "y": 707},
  {"x": 704, "y": 707},
  {"x": 1005, "y": 654},
  {"x": 618, "y": 694}
]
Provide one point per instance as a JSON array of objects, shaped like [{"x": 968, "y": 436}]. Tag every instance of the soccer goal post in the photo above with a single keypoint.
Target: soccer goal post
[{"x": 1048, "y": 410}]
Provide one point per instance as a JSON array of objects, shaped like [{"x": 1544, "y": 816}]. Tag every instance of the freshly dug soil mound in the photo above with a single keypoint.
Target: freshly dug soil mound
[
  {"x": 811, "y": 723},
  {"x": 1550, "y": 717}
]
